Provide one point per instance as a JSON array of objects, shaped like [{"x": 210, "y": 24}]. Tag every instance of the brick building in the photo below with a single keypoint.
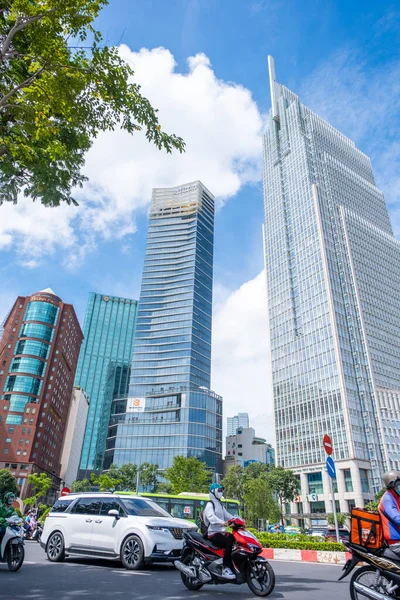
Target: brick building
[{"x": 39, "y": 353}]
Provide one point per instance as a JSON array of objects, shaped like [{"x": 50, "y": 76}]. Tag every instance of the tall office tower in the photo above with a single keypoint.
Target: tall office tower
[
  {"x": 239, "y": 420},
  {"x": 104, "y": 368},
  {"x": 170, "y": 409},
  {"x": 74, "y": 434},
  {"x": 333, "y": 274},
  {"x": 39, "y": 353}
]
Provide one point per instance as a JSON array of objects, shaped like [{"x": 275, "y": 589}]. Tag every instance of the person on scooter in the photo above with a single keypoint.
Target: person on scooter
[
  {"x": 6, "y": 511},
  {"x": 216, "y": 519},
  {"x": 389, "y": 509}
]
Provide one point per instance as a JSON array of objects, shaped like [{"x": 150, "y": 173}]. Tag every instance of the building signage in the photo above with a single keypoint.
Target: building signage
[
  {"x": 135, "y": 404},
  {"x": 312, "y": 497},
  {"x": 187, "y": 188}
]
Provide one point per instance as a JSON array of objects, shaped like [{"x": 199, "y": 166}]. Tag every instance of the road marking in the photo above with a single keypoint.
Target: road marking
[
  {"x": 130, "y": 573},
  {"x": 29, "y": 562}
]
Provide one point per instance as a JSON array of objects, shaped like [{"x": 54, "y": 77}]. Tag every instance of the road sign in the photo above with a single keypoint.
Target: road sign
[
  {"x": 65, "y": 491},
  {"x": 328, "y": 444},
  {"x": 330, "y": 467}
]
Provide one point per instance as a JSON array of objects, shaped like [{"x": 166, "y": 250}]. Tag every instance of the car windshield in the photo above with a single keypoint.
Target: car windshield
[{"x": 139, "y": 507}]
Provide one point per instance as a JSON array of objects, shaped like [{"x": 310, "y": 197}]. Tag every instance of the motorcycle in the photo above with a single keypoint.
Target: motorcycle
[
  {"x": 37, "y": 533},
  {"x": 378, "y": 579},
  {"x": 12, "y": 549},
  {"x": 201, "y": 561}
]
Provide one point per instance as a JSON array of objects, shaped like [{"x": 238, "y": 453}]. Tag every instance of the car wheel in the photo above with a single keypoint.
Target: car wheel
[
  {"x": 55, "y": 547},
  {"x": 132, "y": 553}
]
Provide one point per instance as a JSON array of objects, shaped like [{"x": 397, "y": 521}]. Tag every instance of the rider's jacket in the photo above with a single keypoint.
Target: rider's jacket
[
  {"x": 389, "y": 509},
  {"x": 5, "y": 513},
  {"x": 215, "y": 515}
]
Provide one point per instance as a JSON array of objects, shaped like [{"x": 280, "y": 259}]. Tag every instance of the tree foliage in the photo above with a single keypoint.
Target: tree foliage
[
  {"x": 341, "y": 519},
  {"x": 8, "y": 483},
  {"x": 285, "y": 485},
  {"x": 149, "y": 476},
  {"x": 59, "y": 87},
  {"x": 126, "y": 475},
  {"x": 106, "y": 481},
  {"x": 188, "y": 474},
  {"x": 259, "y": 500},
  {"x": 373, "y": 504},
  {"x": 81, "y": 485},
  {"x": 40, "y": 484}
]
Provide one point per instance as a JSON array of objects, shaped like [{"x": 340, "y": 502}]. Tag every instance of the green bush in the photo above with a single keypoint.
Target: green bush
[
  {"x": 278, "y": 541},
  {"x": 298, "y": 537}
]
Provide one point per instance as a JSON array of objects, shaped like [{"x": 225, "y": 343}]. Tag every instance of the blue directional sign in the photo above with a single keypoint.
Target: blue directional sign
[{"x": 330, "y": 467}]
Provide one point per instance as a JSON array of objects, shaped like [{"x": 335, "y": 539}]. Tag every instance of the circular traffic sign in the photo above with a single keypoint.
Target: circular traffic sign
[
  {"x": 65, "y": 491},
  {"x": 328, "y": 444}
]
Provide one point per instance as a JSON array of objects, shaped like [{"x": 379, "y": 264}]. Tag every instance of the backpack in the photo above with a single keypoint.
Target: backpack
[
  {"x": 203, "y": 523},
  {"x": 366, "y": 529}
]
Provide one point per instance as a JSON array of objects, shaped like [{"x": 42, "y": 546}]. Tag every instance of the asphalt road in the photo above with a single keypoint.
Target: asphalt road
[{"x": 78, "y": 579}]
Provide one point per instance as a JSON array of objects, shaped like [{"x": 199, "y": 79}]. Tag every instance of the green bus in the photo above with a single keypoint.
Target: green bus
[{"x": 187, "y": 505}]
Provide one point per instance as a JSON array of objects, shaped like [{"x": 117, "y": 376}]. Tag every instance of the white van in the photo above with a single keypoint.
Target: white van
[{"x": 119, "y": 526}]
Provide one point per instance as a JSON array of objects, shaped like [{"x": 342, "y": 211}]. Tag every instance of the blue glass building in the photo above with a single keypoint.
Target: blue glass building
[
  {"x": 104, "y": 368},
  {"x": 170, "y": 410}
]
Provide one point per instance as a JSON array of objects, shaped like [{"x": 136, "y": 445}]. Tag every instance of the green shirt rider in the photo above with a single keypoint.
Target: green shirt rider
[{"x": 6, "y": 510}]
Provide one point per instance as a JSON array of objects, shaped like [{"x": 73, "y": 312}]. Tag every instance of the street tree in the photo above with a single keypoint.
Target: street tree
[
  {"x": 40, "y": 484},
  {"x": 126, "y": 474},
  {"x": 188, "y": 474},
  {"x": 285, "y": 485},
  {"x": 341, "y": 519},
  {"x": 106, "y": 482},
  {"x": 233, "y": 483},
  {"x": 149, "y": 476},
  {"x": 373, "y": 504},
  {"x": 259, "y": 500},
  {"x": 8, "y": 483},
  {"x": 81, "y": 485},
  {"x": 60, "y": 85}
]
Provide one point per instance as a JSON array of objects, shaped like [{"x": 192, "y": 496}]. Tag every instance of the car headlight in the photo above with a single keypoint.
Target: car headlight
[{"x": 157, "y": 528}]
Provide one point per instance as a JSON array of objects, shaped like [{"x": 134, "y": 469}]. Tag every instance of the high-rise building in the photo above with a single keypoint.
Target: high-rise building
[
  {"x": 239, "y": 420},
  {"x": 244, "y": 447},
  {"x": 333, "y": 275},
  {"x": 170, "y": 410},
  {"x": 104, "y": 368},
  {"x": 74, "y": 434},
  {"x": 39, "y": 353}
]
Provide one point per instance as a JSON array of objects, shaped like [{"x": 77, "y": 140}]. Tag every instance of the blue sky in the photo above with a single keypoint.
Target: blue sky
[{"x": 342, "y": 58}]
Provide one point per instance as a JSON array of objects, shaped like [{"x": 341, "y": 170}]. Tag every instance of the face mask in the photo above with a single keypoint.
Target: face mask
[
  {"x": 218, "y": 494},
  {"x": 10, "y": 501}
]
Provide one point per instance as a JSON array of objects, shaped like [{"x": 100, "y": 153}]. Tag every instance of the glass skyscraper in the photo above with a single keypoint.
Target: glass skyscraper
[
  {"x": 104, "y": 368},
  {"x": 333, "y": 275},
  {"x": 170, "y": 409}
]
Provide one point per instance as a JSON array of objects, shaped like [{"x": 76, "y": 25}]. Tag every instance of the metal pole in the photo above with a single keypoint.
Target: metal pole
[
  {"x": 334, "y": 511},
  {"x": 137, "y": 481}
]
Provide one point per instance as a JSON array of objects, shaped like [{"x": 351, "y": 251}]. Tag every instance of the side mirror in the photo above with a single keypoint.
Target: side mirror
[{"x": 114, "y": 513}]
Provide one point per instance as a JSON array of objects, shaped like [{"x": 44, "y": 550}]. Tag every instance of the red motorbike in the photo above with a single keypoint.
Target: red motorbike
[{"x": 201, "y": 561}]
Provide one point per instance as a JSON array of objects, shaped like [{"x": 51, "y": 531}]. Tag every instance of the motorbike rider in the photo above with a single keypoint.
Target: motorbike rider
[
  {"x": 6, "y": 511},
  {"x": 216, "y": 518},
  {"x": 389, "y": 509}
]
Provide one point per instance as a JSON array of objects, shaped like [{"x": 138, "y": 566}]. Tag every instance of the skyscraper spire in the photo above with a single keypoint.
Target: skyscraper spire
[{"x": 273, "y": 87}]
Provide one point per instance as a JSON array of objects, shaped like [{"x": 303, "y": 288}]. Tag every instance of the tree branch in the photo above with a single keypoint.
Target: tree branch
[
  {"x": 25, "y": 83},
  {"x": 20, "y": 24}
]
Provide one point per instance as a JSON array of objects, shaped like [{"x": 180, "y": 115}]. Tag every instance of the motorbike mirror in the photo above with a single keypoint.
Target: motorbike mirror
[{"x": 114, "y": 513}]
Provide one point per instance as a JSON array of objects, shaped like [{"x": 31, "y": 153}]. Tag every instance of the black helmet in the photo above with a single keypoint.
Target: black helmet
[{"x": 390, "y": 478}]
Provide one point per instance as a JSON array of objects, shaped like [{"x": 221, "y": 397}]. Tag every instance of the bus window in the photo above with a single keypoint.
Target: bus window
[
  {"x": 232, "y": 508},
  {"x": 163, "y": 502},
  {"x": 183, "y": 509},
  {"x": 199, "y": 505}
]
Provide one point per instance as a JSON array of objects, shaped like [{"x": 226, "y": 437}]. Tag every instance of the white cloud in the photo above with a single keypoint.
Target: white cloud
[
  {"x": 220, "y": 124},
  {"x": 240, "y": 356}
]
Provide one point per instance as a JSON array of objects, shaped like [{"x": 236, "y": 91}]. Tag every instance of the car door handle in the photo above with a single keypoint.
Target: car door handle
[
  {"x": 89, "y": 520},
  {"x": 98, "y": 521}
]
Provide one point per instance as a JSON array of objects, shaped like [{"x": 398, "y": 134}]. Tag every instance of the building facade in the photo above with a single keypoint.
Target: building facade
[
  {"x": 104, "y": 369},
  {"x": 170, "y": 410},
  {"x": 74, "y": 434},
  {"x": 333, "y": 278},
  {"x": 39, "y": 353},
  {"x": 244, "y": 447},
  {"x": 239, "y": 420}
]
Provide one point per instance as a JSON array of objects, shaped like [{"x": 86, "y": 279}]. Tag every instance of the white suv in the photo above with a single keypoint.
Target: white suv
[{"x": 119, "y": 526}]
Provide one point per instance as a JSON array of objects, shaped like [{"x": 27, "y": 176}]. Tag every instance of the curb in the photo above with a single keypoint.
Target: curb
[{"x": 311, "y": 556}]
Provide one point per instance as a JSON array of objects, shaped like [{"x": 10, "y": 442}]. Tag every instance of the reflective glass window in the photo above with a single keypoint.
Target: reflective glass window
[
  {"x": 27, "y": 365},
  {"x": 35, "y": 330},
  {"x": 41, "y": 311},
  {"x": 32, "y": 347}
]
